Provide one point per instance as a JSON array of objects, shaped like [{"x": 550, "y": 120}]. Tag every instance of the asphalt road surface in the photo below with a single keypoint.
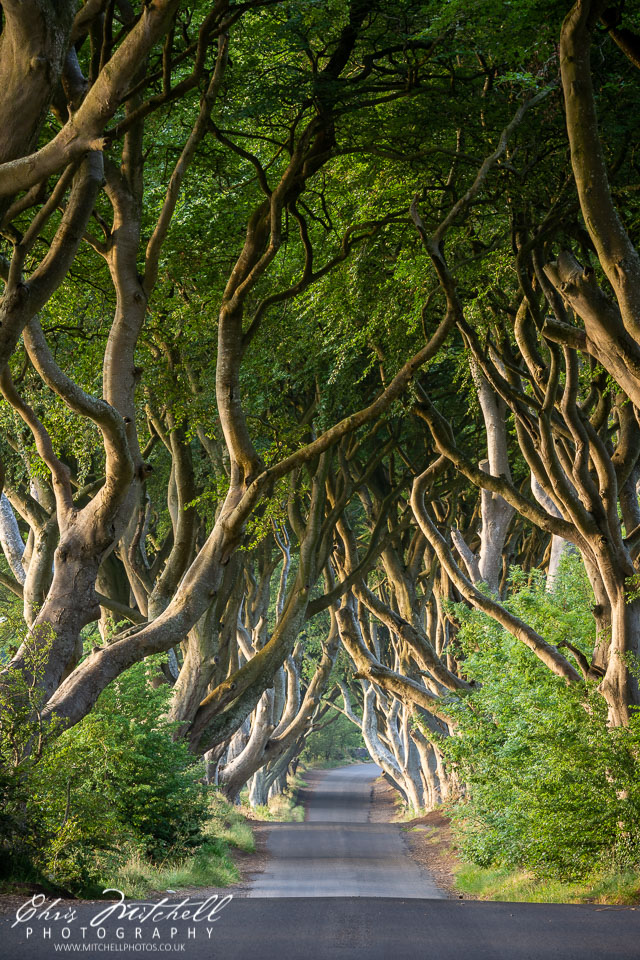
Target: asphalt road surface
[
  {"x": 342, "y": 928},
  {"x": 330, "y": 850},
  {"x": 343, "y": 795},
  {"x": 336, "y": 852}
]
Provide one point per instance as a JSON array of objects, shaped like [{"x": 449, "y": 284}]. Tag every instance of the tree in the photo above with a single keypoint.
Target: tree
[{"x": 298, "y": 352}]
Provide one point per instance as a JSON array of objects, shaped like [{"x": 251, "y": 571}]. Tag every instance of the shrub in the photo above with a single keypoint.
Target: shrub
[
  {"x": 550, "y": 786},
  {"x": 115, "y": 782}
]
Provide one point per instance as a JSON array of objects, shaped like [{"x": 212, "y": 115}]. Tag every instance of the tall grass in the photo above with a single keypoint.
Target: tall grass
[
  {"x": 283, "y": 807},
  {"x": 210, "y": 866},
  {"x": 502, "y": 883}
]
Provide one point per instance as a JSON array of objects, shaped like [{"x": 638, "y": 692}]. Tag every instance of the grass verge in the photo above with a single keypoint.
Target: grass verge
[
  {"x": 432, "y": 842},
  {"x": 501, "y": 883},
  {"x": 282, "y": 808},
  {"x": 211, "y": 865}
]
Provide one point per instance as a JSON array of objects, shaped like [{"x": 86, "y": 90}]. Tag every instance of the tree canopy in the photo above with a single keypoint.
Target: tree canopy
[{"x": 320, "y": 367}]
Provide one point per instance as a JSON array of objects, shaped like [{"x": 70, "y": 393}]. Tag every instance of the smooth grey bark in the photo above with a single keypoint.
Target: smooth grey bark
[
  {"x": 559, "y": 546},
  {"x": 236, "y": 772},
  {"x": 11, "y": 540},
  {"x": 368, "y": 725},
  {"x": 496, "y": 513}
]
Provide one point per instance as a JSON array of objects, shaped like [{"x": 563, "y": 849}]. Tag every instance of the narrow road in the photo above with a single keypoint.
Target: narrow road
[
  {"x": 336, "y": 852},
  {"x": 341, "y": 928},
  {"x": 337, "y": 888},
  {"x": 343, "y": 795}
]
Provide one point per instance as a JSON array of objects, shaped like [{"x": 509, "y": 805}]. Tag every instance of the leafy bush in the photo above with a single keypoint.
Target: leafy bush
[
  {"x": 551, "y": 787},
  {"x": 22, "y": 740},
  {"x": 116, "y": 782}
]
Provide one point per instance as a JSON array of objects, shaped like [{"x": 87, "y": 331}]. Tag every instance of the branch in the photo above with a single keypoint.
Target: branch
[
  {"x": 546, "y": 652},
  {"x": 22, "y": 301},
  {"x": 532, "y": 511},
  {"x": 370, "y": 668},
  {"x": 616, "y": 252},
  {"x": 119, "y": 465},
  {"x": 59, "y": 471},
  {"x": 83, "y": 131},
  {"x": 159, "y": 234}
]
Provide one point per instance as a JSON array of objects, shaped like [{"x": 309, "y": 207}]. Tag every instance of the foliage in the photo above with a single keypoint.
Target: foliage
[
  {"x": 117, "y": 780},
  {"x": 332, "y": 743},
  {"x": 228, "y": 824},
  {"x": 210, "y": 865},
  {"x": 280, "y": 809},
  {"x": 551, "y": 787},
  {"x": 22, "y": 741},
  {"x": 350, "y": 293},
  {"x": 518, "y": 886}
]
